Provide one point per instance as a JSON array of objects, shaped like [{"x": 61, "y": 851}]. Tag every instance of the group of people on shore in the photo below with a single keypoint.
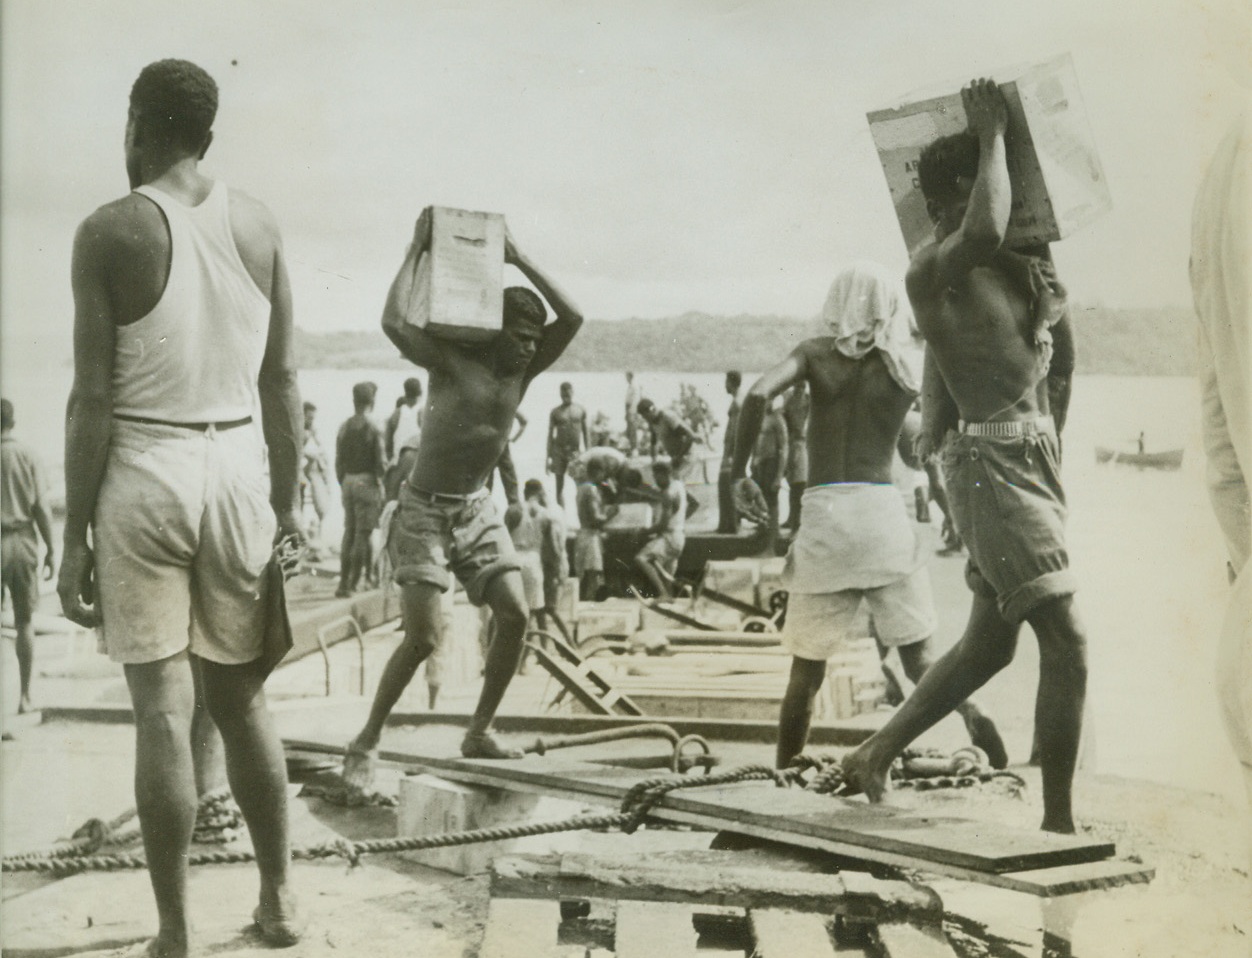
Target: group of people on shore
[{"x": 175, "y": 499}]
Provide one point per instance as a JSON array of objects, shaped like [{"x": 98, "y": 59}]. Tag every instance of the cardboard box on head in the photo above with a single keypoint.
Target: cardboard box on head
[
  {"x": 1058, "y": 182},
  {"x": 457, "y": 289}
]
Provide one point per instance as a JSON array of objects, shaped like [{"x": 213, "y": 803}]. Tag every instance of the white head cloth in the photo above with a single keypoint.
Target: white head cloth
[{"x": 865, "y": 310}]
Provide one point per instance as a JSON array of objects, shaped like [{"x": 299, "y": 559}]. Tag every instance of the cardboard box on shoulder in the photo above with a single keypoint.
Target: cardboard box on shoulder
[
  {"x": 458, "y": 287},
  {"x": 1058, "y": 182}
]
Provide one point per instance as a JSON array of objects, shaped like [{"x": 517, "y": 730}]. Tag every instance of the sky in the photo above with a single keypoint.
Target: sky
[{"x": 653, "y": 157}]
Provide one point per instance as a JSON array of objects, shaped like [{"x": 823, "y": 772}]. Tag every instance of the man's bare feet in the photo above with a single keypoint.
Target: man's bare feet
[
  {"x": 983, "y": 735},
  {"x": 861, "y": 775},
  {"x": 484, "y": 745},
  {"x": 153, "y": 948},
  {"x": 358, "y": 765},
  {"x": 280, "y": 925},
  {"x": 24, "y": 705}
]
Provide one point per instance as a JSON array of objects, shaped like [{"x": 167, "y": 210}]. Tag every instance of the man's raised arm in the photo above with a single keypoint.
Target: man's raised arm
[
  {"x": 560, "y": 332},
  {"x": 282, "y": 418},
  {"x": 990, "y": 200},
  {"x": 88, "y": 415},
  {"x": 752, "y": 413},
  {"x": 415, "y": 344}
]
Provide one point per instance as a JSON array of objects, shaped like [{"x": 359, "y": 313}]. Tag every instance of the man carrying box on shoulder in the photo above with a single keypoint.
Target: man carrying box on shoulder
[
  {"x": 446, "y": 518},
  {"x": 987, "y": 315}
]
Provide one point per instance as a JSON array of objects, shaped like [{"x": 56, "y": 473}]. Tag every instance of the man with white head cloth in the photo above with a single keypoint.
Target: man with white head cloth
[{"x": 855, "y": 542}]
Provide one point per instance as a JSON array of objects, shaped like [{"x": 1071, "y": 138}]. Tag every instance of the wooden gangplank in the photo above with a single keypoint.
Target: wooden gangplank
[{"x": 1034, "y": 862}]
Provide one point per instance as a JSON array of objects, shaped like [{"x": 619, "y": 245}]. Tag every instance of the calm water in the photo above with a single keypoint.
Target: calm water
[{"x": 1144, "y": 544}]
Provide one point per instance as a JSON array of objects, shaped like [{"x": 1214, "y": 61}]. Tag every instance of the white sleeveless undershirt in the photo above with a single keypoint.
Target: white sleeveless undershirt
[
  {"x": 196, "y": 356},
  {"x": 408, "y": 429}
]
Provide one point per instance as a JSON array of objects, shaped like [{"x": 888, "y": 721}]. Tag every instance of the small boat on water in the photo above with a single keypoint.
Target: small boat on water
[{"x": 1169, "y": 459}]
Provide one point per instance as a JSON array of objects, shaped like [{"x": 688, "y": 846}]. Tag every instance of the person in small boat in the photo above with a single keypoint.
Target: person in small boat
[
  {"x": 987, "y": 314},
  {"x": 856, "y": 543},
  {"x": 445, "y": 518}
]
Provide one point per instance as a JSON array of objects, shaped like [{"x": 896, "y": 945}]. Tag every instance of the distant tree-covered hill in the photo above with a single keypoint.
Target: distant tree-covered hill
[{"x": 1130, "y": 342}]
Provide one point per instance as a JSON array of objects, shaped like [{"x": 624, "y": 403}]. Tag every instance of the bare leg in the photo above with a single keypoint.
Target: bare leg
[
  {"x": 25, "y": 662},
  {"x": 422, "y": 629},
  {"x": 986, "y": 647},
  {"x": 1059, "y": 706},
  {"x": 506, "y": 597},
  {"x": 347, "y": 556},
  {"x": 796, "y": 714},
  {"x": 163, "y": 699},
  {"x": 558, "y": 482},
  {"x": 917, "y": 660},
  {"x": 207, "y": 756},
  {"x": 257, "y": 770},
  {"x": 590, "y": 588},
  {"x": 649, "y": 572}
]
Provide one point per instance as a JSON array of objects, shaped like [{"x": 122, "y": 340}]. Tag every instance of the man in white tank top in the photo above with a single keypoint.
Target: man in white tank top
[{"x": 182, "y": 329}]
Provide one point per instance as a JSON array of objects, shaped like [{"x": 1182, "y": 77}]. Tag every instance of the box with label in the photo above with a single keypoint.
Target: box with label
[
  {"x": 457, "y": 289},
  {"x": 1058, "y": 183}
]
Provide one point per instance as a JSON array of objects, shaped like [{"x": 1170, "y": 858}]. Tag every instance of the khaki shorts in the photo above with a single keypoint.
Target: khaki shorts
[
  {"x": 1009, "y": 507},
  {"x": 19, "y": 567},
  {"x": 819, "y": 625},
  {"x": 431, "y": 534},
  {"x": 183, "y": 531}
]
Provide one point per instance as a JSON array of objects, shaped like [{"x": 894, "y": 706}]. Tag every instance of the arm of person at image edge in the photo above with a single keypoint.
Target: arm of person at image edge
[
  {"x": 974, "y": 243},
  {"x": 778, "y": 379}
]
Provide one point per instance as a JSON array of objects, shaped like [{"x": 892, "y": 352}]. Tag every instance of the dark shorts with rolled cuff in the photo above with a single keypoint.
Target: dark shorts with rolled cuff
[
  {"x": 433, "y": 533},
  {"x": 1004, "y": 486}
]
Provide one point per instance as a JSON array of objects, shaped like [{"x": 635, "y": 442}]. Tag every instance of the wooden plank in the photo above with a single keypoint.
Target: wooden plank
[
  {"x": 654, "y": 929},
  {"x": 905, "y": 841},
  {"x": 520, "y": 928},
  {"x": 714, "y": 878},
  {"x": 902, "y": 940},
  {"x": 789, "y": 934}
]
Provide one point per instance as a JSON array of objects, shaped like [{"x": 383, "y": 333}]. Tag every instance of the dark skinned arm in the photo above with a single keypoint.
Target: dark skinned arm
[{"x": 282, "y": 418}]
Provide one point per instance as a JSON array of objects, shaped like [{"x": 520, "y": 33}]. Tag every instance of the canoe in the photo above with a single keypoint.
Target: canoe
[{"x": 1165, "y": 459}]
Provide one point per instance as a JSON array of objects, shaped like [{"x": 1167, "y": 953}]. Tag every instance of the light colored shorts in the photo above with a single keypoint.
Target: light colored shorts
[
  {"x": 183, "y": 531},
  {"x": 1009, "y": 507},
  {"x": 588, "y": 551},
  {"x": 819, "y": 624},
  {"x": 664, "y": 550},
  {"x": 532, "y": 578},
  {"x": 431, "y": 534}
]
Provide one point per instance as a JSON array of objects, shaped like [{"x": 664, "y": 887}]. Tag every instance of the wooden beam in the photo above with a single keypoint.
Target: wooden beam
[
  {"x": 710, "y": 878},
  {"x": 789, "y": 934},
  {"x": 654, "y": 930},
  {"x": 520, "y": 928},
  {"x": 902, "y": 940}
]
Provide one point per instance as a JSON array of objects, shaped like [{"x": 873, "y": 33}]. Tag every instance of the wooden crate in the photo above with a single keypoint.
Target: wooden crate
[
  {"x": 1058, "y": 182},
  {"x": 458, "y": 284}
]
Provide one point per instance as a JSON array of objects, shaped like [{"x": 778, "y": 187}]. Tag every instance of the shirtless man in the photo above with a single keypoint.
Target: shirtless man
[
  {"x": 567, "y": 436},
  {"x": 182, "y": 327},
  {"x": 658, "y": 559},
  {"x": 674, "y": 435},
  {"x": 855, "y": 541},
  {"x": 986, "y": 314},
  {"x": 446, "y": 517}
]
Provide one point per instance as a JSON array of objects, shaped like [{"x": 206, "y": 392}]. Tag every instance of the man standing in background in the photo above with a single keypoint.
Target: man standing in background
[
  {"x": 404, "y": 431},
  {"x": 727, "y": 513},
  {"x": 360, "y": 464},
  {"x": 633, "y": 395},
  {"x": 183, "y": 327},
  {"x": 567, "y": 437},
  {"x": 314, "y": 480},
  {"x": 22, "y": 513}
]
